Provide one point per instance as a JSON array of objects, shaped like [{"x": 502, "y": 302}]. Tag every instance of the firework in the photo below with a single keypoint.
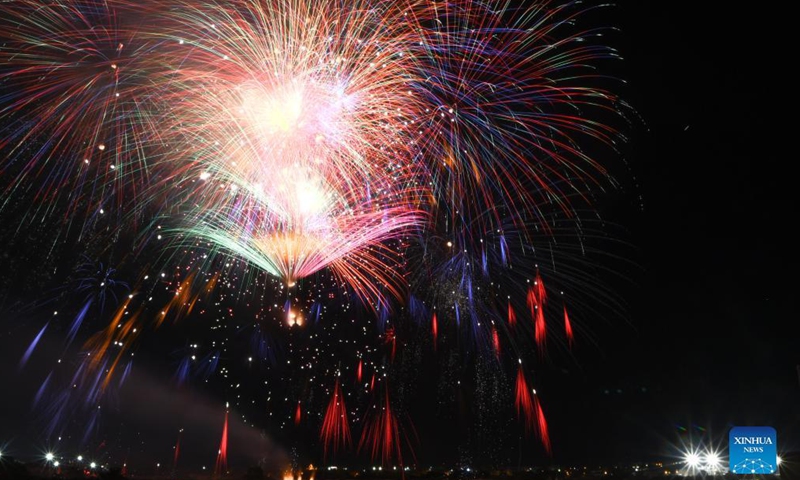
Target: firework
[
  {"x": 75, "y": 86},
  {"x": 568, "y": 328},
  {"x": 221, "y": 465},
  {"x": 300, "y": 148},
  {"x": 409, "y": 156},
  {"x": 529, "y": 409},
  {"x": 381, "y": 435},
  {"x": 335, "y": 431}
]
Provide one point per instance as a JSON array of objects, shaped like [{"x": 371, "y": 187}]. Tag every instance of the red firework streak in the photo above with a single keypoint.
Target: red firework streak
[
  {"x": 544, "y": 434},
  {"x": 372, "y": 383},
  {"x": 391, "y": 338},
  {"x": 381, "y": 434},
  {"x": 359, "y": 370},
  {"x": 177, "y": 450},
  {"x": 298, "y": 414},
  {"x": 496, "y": 341},
  {"x": 221, "y": 465},
  {"x": 541, "y": 293},
  {"x": 335, "y": 431},
  {"x": 568, "y": 328},
  {"x": 435, "y": 330},
  {"x": 537, "y": 296},
  {"x": 540, "y": 328},
  {"x": 512, "y": 317},
  {"x": 530, "y": 411}
]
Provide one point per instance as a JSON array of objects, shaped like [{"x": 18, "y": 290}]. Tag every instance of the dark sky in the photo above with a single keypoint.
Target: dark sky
[
  {"x": 711, "y": 337},
  {"x": 708, "y": 340}
]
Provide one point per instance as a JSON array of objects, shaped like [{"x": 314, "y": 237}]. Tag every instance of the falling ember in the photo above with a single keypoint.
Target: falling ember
[
  {"x": 435, "y": 330},
  {"x": 540, "y": 329},
  {"x": 532, "y": 301},
  {"x": 381, "y": 434},
  {"x": 359, "y": 370},
  {"x": 221, "y": 465},
  {"x": 512, "y": 317},
  {"x": 568, "y": 328},
  {"x": 523, "y": 400},
  {"x": 541, "y": 293},
  {"x": 391, "y": 339},
  {"x": 496, "y": 342},
  {"x": 372, "y": 383},
  {"x": 298, "y": 414},
  {"x": 529, "y": 411},
  {"x": 544, "y": 434},
  {"x": 335, "y": 431},
  {"x": 32, "y": 346},
  {"x": 536, "y": 299},
  {"x": 177, "y": 451}
]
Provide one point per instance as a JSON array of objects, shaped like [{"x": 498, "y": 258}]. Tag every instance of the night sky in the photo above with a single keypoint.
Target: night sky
[{"x": 703, "y": 338}]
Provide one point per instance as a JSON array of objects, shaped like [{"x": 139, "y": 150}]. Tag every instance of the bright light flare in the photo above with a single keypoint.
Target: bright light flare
[
  {"x": 712, "y": 460},
  {"x": 281, "y": 113},
  {"x": 293, "y": 319},
  {"x": 692, "y": 459}
]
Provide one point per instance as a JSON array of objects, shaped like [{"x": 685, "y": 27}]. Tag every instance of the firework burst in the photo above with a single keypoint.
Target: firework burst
[{"x": 416, "y": 151}]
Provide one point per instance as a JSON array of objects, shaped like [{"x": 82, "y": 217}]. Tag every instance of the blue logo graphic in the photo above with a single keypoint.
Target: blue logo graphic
[{"x": 753, "y": 450}]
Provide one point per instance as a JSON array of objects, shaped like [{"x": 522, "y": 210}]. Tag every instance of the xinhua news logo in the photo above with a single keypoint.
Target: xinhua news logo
[{"x": 753, "y": 450}]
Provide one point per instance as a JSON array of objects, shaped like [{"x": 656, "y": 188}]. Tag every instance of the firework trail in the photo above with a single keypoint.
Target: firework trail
[
  {"x": 435, "y": 330},
  {"x": 335, "y": 431},
  {"x": 221, "y": 465},
  {"x": 568, "y": 328},
  {"x": 529, "y": 410},
  {"x": 541, "y": 425},
  {"x": 29, "y": 351},
  {"x": 381, "y": 434},
  {"x": 74, "y": 121},
  {"x": 177, "y": 451}
]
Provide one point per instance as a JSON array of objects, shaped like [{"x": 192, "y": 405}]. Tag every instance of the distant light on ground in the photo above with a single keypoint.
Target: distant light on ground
[{"x": 712, "y": 460}]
